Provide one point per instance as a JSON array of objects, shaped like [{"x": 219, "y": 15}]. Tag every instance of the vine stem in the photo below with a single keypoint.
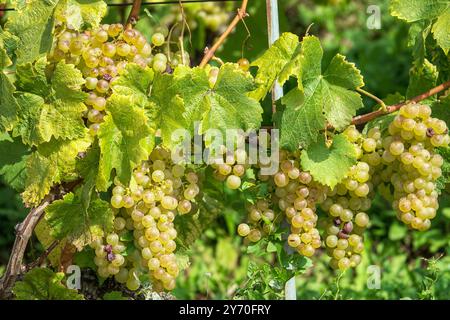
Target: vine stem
[
  {"x": 368, "y": 94},
  {"x": 241, "y": 14},
  {"x": 389, "y": 109},
  {"x": 24, "y": 231},
  {"x": 43, "y": 256},
  {"x": 133, "y": 17}
]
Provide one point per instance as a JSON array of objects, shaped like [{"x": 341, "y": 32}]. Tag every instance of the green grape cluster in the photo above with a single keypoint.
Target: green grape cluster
[
  {"x": 230, "y": 166},
  {"x": 108, "y": 255},
  {"x": 411, "y": 164},
  {"x": 293, "y": 196},
  {"x": 260, "y": 221},
  {"x": 348, "y": 202},
  {"x": 160, "y": 190},
  {"x": 102, "y": 54}
]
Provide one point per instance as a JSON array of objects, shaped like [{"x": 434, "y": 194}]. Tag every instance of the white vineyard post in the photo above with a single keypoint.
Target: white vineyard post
[{"x": 273, "y": 27}]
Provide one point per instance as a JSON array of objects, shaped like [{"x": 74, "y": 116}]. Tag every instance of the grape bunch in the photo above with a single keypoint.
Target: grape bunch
[
  {"x": 293, "y": 197},
  {"x": 230, "y": 166},
  {"x": 260, "y": 221},
  {"x": 160, "y": 190},
  {"x": 108, "y": 255},
  {"x": 102, "y": 54},
  {"x": 411, "y": 164},
  {"x": 348, "y": 202}
]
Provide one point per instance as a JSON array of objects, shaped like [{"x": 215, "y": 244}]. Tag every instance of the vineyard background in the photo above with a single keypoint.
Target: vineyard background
[{"x": 414, "y": 265}]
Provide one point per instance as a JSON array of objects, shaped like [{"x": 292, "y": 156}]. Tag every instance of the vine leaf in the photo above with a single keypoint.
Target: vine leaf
[
  {"x": 8, "y": 45},
  {"x": 125, "y": 139},
  {"x": 319, "y": 98},
  {"x": 77, "y": 13},
  {"x": 184, "y": 98},
  {"x": 415, "y": 10},
  {"x": 426, "y": 10},
  {"x": 49, "y": 108},
  {"x": 13, "y": 161},
  {"x": 44, "y": 284},
  {"x": 134, "y": 81},
  {"x": 329, "y": 165},
  {"x": 417, "y": 37},
  {"x": 227, "y": 104},
  {"x": 32, "y": 22},
  {"x": 88, "y": 169},
  {"x": 8, "y": 104},
  {"x": 440, "y": 30},
  {"x": 273, "y": 62},
  {"x": 68, "y": 218},
  {"x": 51, "y": 163}
]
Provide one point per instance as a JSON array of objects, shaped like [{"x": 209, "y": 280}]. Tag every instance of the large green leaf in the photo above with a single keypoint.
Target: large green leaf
[
  {"x": 49, "y": 107},
  {"x": 329, "y": 165},
  {"x": 228, "y": 105},
  {"x": 426, "y": 10},
  {"x": 125, "y": 139},
  {"x": 186, "y": 97},
  {"x": 88, "y": 169},
  {"x": 320, "y": 99},
  {"x": 44, "y": 284},
  {"x": 69, "y": 218},
  {"x": 32, "y": 23}
]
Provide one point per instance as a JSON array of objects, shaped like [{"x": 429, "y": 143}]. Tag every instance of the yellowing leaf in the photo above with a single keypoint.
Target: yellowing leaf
[
  {"x": 51, "y": 163},
  {"x": 32, "y": 23}
]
